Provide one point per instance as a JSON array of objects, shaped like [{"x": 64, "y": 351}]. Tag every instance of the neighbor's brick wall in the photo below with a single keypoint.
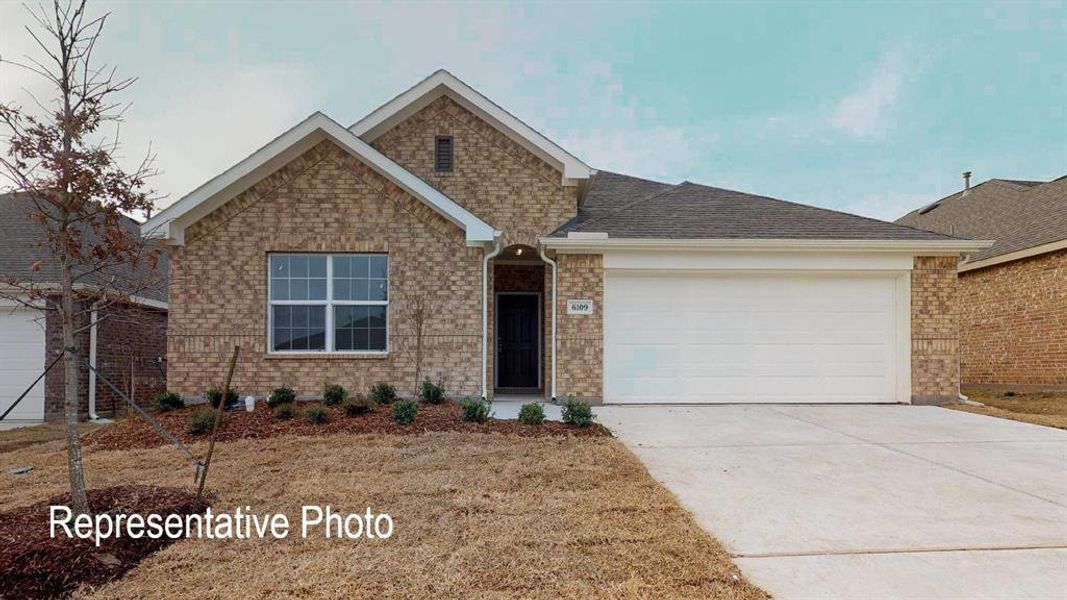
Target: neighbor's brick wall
[
  {"x": 934, "y": 329},
  {"x": 323, "y": 201},
  {"x": 495, "y": 178},
  {"x": 1013, "y": 322},
  {"x": 128, "y": 337},
  {"x": 580, "y": 367}
]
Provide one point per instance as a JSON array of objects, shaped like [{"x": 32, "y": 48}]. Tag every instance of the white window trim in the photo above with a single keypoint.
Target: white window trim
[{"x": 329, "y": 303}]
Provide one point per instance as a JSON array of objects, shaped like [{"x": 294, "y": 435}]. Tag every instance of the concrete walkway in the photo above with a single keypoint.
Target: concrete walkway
[
  {"x": 867, "y": 501},
  {"x": 507, "y": 407}
]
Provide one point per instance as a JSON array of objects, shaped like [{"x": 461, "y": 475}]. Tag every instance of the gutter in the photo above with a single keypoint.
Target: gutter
[
  {"x": 498, "y": 247},
  {"x": 555, "y": 280},
  {"x": 92, "y": 363},
  {"x": 598, "y": 243}
]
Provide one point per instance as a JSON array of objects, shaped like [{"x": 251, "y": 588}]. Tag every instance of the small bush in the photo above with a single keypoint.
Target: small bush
[
  {"x": 577, "y": 412},
  {"x": 404, "y": 411},
  {"x": 316, "y": 415},
  {"x": 383, "y": 393},
  {"x": 532, "y": 414},
  {"x": 285, "y": 411},
  {"x": 334, "y": 394},
  {"x": 202, "y": 420},
  {"x": 166, "y": 401},
  {"x": 279, "y": 396},
  {"x": 433, "y": 393},
  {"x": 214, "y": 397},
  {"x": 475, "y": 410},
  {"x": 1009, "y": 394},
  {"x": 359, "y": 405}
]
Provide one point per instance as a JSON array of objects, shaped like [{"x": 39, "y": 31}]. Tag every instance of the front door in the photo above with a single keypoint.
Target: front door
[{"x": 517, "y": 341}]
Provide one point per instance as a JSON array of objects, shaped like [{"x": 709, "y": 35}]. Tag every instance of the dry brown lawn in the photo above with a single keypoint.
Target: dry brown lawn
[
  {"x": 1040, "y": 408},
  {"x": 476, "y": 515},
  {"x": 20, "y": 437}
]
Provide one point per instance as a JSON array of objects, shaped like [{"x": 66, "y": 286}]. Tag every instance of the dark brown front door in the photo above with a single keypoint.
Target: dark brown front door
[{"x": 517, "y": 341}]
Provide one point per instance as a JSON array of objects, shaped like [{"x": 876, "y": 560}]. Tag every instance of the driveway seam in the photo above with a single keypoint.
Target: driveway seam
[
  {"x": 921, "y": 458},
  {"x": 930, "y": 550}
]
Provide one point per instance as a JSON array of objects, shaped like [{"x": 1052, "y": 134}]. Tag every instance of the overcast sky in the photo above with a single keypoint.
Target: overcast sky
[{"x": 873, "y": 109}]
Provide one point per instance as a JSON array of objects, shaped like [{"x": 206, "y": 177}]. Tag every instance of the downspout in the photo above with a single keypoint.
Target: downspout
[
  {"x": 555, "y": 280},
  {"x": 497, "y": 249},
  {"x": 92, "y": 363}
]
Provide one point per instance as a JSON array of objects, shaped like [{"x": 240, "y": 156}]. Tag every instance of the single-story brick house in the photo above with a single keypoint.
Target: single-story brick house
[
  {"x": 124, "y": 340},
  {"x": 542, "y": 274},
  {"x": 1013, "y": 295}
]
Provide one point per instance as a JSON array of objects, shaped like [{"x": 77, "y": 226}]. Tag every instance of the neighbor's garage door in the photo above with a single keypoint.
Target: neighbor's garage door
[
  {"x": 21, "y": 361},
  {"x": 746, "y": 337}
]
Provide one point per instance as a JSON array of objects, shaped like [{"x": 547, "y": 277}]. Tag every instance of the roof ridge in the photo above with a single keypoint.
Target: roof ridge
[
  {"x": 829, "y": 210},
  {"x": 629, "y": 205}
]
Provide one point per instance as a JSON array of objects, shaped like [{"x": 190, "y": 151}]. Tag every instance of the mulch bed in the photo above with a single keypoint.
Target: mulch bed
[
  {"x": 35, "y": 565},
  {"x": 135, "y": 432}
]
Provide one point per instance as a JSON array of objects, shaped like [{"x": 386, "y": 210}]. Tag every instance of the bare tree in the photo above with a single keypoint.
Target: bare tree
[
  {"x": 63, "y": 158},
  {"x": 419, "y": 308}
]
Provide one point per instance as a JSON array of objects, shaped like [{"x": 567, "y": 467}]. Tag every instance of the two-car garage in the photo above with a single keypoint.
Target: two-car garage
[{"x": 756, "y": 335}]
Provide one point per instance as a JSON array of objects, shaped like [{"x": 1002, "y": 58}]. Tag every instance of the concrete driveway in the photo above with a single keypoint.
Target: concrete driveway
[{"x": 866, "y": 501}]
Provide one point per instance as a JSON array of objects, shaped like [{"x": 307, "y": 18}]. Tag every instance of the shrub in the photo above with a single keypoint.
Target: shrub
[
  {"x": 334, "y": 394},
  {"x": 359, "y": 405},
  {"x": 431, "y": 392},
  {"x": 577, "y": 412},
  {"x": 1009, "y": 394},
  {"x": 382, "y": 393},
  {"x": 404, "y": 411},
  {"x": 168, "y": 401},
  {"x": 202, "y": 420},
  {"x": 316, "y": 415},
  {"x": 214, "y": 397},
  {"x": 279, "y": 396},
  {"x": 475, "y": 410},
  {"x": 284, "y": 411},
  {"x": 532, "y": 414}
]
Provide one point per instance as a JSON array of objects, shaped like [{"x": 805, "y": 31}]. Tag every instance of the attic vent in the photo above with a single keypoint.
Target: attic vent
[{"x": 442, "y": 160}]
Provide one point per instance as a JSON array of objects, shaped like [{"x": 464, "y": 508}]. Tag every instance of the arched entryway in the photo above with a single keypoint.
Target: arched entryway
[{"x": 518, "y": 322}]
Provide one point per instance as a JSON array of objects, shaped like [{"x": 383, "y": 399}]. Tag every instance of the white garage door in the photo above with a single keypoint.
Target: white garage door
[
  {"x": 723, "y": 338},
  {"x": 21, "y": 361}
]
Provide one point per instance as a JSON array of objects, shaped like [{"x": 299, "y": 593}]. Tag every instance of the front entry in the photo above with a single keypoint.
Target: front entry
[{"x": 518, "y": 345}]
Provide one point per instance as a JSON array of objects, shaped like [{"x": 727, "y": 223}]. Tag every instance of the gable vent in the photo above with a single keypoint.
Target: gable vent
[{"x": 443, "y": 154}]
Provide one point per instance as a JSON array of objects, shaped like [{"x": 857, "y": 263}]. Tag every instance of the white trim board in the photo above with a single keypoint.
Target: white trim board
[
  {"x": 588, "y": 245},
  {"x": 171, "y": 223},
  {"x": 442, "y": 83}
]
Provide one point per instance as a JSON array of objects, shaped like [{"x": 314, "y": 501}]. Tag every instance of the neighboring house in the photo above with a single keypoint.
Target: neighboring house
[
  {"x": 543, "y": 275},
  {"x": 1013, "y": 295},
  {"x": 125, "y": 341}
]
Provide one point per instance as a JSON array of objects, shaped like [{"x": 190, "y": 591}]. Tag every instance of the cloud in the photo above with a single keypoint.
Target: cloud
[{"x": 868, "y": 112}]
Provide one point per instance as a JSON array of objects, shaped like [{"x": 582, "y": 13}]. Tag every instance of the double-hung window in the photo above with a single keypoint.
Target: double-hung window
[{"x": 328, "y": 303}]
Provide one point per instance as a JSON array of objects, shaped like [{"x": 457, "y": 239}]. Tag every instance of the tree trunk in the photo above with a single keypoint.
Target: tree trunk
[{"x": 79, "y": 501}]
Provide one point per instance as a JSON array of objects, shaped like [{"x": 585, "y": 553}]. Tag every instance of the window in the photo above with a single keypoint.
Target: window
[
  {"x": 328, "y": 303},
  {"x": 443, "y": 154}
]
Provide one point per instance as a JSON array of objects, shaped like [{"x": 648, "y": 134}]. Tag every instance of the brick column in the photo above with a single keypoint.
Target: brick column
[
  {"x": 934, "y": 330},
  {"x": 580, "y": 366}
]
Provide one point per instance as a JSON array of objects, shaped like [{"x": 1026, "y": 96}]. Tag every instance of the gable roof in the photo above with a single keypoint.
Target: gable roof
[
  {"x": 1018, "y": 215},
  {"x": 170, "y": 224},
  {"x": 628, "y": 208},
  {"x": 26, "y": 258},
  {"x": 441, "y": 83}
]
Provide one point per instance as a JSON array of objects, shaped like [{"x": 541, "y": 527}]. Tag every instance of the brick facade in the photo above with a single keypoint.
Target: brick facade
[
  {"x": 580, "y": 367},
  {"x": 1013, "y": 323},
  {"x": 323, "y": 201},
  {"x": 129, "y": 340},
  {"x": 493, "y": 177},
  {"x": 934, "y": 330}
]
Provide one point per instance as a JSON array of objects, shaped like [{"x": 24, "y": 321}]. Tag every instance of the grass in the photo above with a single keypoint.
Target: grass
[
  {"x": 476, "y": 515},
  {"x": 1040, "y": 408},
  {"x": 21, "y": 437}
]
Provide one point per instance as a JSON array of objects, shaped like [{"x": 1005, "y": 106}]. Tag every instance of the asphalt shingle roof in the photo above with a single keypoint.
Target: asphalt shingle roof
[
  {"x": 627, "y": 207},
  {"x": 25, "y": 257},
  {"x": 1017, "y": 214}
]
